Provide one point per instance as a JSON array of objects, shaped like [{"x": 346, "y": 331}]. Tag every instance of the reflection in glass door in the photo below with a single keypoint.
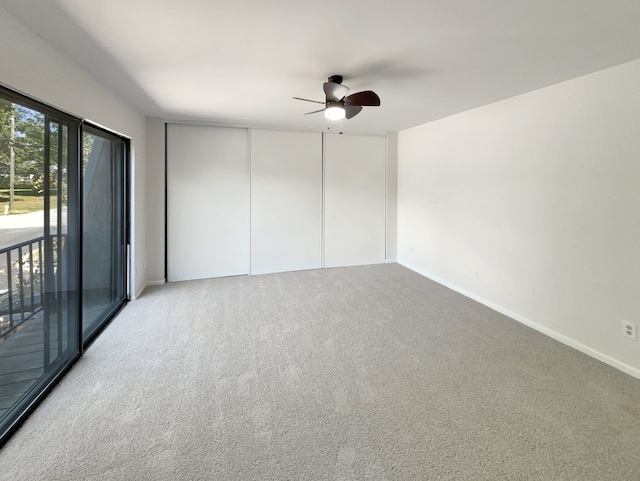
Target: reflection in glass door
[{"x": 104, "y": 237}]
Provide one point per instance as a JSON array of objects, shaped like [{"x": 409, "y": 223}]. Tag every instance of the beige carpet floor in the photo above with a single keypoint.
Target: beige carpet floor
[{"x": 360, "y": 373}]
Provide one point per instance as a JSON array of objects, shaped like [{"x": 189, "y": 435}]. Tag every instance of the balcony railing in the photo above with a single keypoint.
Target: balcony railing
[{"x": 21, "y": 283}]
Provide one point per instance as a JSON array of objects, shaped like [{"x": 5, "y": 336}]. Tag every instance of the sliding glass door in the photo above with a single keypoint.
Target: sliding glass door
[
  {"x": 39, "y": 251},
  {"x": 104, "y": 237},
  {"x": 63, "y": 246}
]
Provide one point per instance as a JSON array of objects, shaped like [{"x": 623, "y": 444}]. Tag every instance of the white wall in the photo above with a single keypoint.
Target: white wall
[
  {"x": 391, "y": 207},
  {"x": 531, "y": 206},
  {"x": 36, "y": 68}
]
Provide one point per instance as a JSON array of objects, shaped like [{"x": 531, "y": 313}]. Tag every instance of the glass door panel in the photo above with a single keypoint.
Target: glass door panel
[
  {"x": 103, "y": 232},
  {"x": 39, "y": 264}
]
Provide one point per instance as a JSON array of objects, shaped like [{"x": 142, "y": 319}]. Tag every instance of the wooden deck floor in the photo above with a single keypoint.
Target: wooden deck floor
[{"x": 22, "y": 360}]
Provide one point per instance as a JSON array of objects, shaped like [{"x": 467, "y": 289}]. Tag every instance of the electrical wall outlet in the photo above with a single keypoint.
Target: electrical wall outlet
[{"x": 629, "y": 330}]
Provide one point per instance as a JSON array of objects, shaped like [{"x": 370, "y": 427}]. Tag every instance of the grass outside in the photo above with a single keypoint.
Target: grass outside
[{"x": 24, "y": 201}]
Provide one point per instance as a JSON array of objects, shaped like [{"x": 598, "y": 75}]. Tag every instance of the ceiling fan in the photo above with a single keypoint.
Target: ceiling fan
[{"x": 338, "y": 105}]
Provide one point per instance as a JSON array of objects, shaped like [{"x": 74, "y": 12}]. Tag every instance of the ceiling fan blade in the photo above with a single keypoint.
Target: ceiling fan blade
[
  {"x": 314, "y": 112},
  {"x": 307, "y": 100},
  {"x": 366, "y": 98},
  {"x": 335, "y": 91},
  {"x": 351, "y": 111}
]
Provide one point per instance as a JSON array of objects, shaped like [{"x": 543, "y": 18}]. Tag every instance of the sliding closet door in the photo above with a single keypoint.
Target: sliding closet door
[
  {"x": 286, "y": 201},
  {"x": 207, "y": 202},
  {"x": 354, "y": 200}
]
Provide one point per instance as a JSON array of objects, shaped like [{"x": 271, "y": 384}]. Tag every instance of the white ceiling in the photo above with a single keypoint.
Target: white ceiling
[{"x": 241, "y": 61}]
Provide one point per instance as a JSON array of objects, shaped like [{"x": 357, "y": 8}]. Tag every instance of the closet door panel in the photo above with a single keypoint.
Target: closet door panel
[
  {"x": 354, "y": 200},
  {"x": 286, "y": 201},
  {"x": 208, "y": 199}
]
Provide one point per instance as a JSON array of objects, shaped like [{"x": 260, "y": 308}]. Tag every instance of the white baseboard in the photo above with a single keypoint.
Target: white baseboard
[
  {"x": 632, "y": 371},
  {"x": 148, "y": 284},
  {"x": 139, "y": 293},
  {"x": 391, "y": 261}
]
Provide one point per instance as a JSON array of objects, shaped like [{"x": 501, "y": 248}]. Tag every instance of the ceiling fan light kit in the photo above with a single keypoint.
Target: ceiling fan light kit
[
  {"x": 334, "y": 111},
  {"x": 338, "y": 105}
]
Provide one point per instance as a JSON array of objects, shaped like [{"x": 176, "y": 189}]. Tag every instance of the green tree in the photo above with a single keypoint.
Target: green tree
[
  {"x": 6, "y": 112},
  {"x": 28, "y": 142}
]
